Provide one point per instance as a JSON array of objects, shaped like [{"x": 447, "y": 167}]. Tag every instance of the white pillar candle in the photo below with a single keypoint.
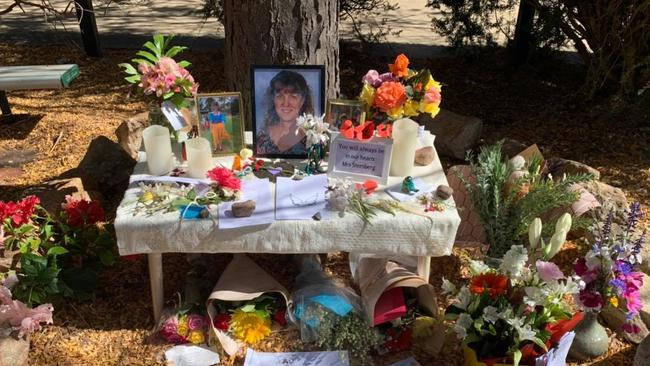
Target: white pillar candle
[
  {"x": 199, "y": 157},
  {"x": 405, "y": 137},
  {"x": 158, "y": 146},
  {"x": 427, "y": 138}
]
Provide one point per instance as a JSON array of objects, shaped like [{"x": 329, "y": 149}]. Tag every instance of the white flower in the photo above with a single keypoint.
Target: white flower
[
  {"x": 314, "y": 129},
  {"x": 460, "y": 331},
  {"x": 478, "y": 267},
  {"x": 526, "y": 333},
  {"x": 563, "y": 223},
  {"x": 463, "y": 298},
  {"x": 490, "y": 314},
  {"x": 534, "y": 232},
  {"x": 514, "y": 261},
  {"x": 534, "y": 296},
  {"x": 448, "y": 287},
  {"x": 463, "y": 323}
]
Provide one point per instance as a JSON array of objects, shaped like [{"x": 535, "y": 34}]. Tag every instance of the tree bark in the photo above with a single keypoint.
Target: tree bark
[{"x": 280, "y": 32}]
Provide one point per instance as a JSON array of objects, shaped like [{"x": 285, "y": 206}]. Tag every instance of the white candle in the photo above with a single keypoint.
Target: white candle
[
  {"x": 405, "y": 137},
  {"x": 199, "y": 157},
  {"x": 427, "y": 138},
  {"x": 158, "y": 146}
]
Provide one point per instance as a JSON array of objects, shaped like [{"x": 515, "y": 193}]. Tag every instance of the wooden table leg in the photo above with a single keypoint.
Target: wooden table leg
[
  {"x": 424, "y": 268},
  {"x": 156, "y": 282}
]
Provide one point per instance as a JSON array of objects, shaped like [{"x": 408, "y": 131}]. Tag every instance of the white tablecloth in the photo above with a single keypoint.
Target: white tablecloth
[{"x": 403, "y": 234}]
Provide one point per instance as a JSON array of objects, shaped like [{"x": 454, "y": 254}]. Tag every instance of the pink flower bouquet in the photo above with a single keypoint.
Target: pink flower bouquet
[{"x": 183, "y": 327}]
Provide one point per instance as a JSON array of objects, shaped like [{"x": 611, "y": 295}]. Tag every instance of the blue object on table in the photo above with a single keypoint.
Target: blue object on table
[{"x": 192, "y": 212}]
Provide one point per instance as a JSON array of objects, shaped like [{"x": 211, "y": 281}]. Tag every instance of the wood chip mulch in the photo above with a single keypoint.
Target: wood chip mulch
[{"x": 528, "y": 104}]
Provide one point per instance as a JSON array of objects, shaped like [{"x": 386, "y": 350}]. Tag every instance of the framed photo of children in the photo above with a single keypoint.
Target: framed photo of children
[
  {"x": 280, "y": 94},
  {"x": 339, "y": 110},
  {"x": 220, "y": 121}
]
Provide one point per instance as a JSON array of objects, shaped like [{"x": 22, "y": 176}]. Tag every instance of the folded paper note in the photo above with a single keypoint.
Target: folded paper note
[
  {"x": 328, "y": 358},
  {"x": 301, "y": 199}
]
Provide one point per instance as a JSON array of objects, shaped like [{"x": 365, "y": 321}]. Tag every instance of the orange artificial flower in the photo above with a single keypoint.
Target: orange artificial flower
[
  {"x": 368, "y": 186},
  {"x": 385, "y": 130},
  {"x": 362, "y": 132},
  {"x": 492, "y": 283},
  {"x": 389, "y": 95},
  {"x": 401, "y": 66}
]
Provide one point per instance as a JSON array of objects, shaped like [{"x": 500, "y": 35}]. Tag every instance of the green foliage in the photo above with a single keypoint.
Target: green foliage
[
  {"x": 507, "y": 206},
  {"x": 351, "y": 332}
]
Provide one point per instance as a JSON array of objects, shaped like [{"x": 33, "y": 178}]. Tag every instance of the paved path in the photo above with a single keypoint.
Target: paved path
[{"x": 129, "y": 24}]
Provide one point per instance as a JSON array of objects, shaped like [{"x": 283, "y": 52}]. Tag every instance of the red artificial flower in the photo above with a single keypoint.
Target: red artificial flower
[
  {"x": 385, "y": 130},
  {"x": 591, "y": 299},
  {"x": 398, "y": 340},
  {"x": 225, "y": 178},
  {"x": 363, "y": 132},
  {"x": 259, "y": 164},
  {"x": 280, "y": 316},
  {"x": 368, "y": 186},
  {"x": 19, "y": 212},
  {"x": 82, "y": 212},
  {"x": 492, "y": 283},
  {"x": 222, "y": 322}
]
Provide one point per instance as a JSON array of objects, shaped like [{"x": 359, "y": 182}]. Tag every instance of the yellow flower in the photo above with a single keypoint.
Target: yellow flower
[
  {"x": 423, "y": 326},
  {"x": 431, "y": 108},
  {"x": 182, "y": 328},
  {"x": 249, "y": 327},
  {"x": 614, "y": 301},
  {"x": 396, "y": 113},
  {"x": 367, "y": 95},
  {"x": 147, "y": 197},
  {"x": 245, "y": 153},
  {"x": 411, "y": 108},
  {"x": 432, "y": 83},
  {"x": 196, "y": 337}
]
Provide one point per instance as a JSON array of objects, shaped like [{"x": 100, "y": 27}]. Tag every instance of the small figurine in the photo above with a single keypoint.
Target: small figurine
[{"x": 408, "y": 186}]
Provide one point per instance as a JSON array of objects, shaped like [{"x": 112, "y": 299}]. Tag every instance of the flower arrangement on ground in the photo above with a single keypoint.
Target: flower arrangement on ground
[
  {"x": 252, "y": 321},
  {"x": 316, "y": 138},
  {"x": 508, "y": 194},
  {"x": 16, "y": 316},
  {"x": 185, "y": 325},
  {"x": 401, "y": 92},
  {"x": 58, "y": 256},
  {"x": 514, "y": 313},
  {"x": 609, "y": 273},
  {"x": 157, "y": 73}
]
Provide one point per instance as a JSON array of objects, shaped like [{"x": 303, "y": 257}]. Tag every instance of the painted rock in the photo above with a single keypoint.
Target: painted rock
[
  {"x": 424, "y": 156},
  {"x": 243, "y": 209}
]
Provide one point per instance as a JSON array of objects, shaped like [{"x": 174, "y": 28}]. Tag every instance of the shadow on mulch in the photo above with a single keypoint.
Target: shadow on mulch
[
  {"x": 21, "y": 126},
  {"x": 623, "y": 357}
]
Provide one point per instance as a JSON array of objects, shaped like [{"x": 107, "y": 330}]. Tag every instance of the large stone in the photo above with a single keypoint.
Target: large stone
[
  {"x": 612, "y": 200},
  {"x": 455, "y": 133},
  {"x": 558, "y": 167},
  {"x": 642, "y": 357},
  {"x": 108, "y": 165},
  {"x": 511, "y": 147},
  {"x": 52, "y": 193},
  {"x": 129, "y": 133},
  {"x": 614, "y": 319},
  {"x": 15, "y": 352}
]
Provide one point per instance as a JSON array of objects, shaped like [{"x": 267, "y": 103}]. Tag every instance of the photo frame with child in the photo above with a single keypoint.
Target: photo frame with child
[{"x": 220, "y": 121}]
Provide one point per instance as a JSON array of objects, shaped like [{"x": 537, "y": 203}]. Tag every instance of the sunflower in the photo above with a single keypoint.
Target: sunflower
[{"x": 250, "y": 327}]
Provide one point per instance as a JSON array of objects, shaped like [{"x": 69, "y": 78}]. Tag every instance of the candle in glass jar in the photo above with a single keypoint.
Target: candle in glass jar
[
  {"x": 158, "y": 147},
  {"x": 199, "y": 157},
  {"x": 405, "y": 137}
]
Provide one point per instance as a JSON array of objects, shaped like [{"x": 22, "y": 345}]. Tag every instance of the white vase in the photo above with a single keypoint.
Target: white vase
[
  {"x": 157, "y": 145},
  {"x": 199, "y": 157},
  {"x": 405, "y": 138}
]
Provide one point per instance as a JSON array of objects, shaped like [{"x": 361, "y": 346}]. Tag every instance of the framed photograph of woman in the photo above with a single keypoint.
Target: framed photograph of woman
[
  {"x": 279, "y": 95},
  {"x": 339, "y": 110},
  {"x": 220, "y": 121}
]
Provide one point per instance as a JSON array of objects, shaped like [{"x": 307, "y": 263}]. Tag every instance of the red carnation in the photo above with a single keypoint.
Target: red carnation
[
  {"x": 222, "y": 322},
  {"x": 82, "y": 212},
  {"x": 225, "y": 178}
]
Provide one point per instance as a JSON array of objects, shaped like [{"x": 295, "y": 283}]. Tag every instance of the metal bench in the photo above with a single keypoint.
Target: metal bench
[{"x": 32, "y": 77}]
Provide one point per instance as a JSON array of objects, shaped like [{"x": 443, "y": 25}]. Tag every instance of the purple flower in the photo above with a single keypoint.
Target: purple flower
[
  {"x": 631, "y": 328},
  {"x": 548, "y": 271},
  {"x": 372, "y": 78},
  {"x": 591, "y": 300},
  {"x": 619, "y": 284},
  {"x": 194, "y": 322},
  {"x": 623, "y": 267},
  {"x": 633, "y": 216}
]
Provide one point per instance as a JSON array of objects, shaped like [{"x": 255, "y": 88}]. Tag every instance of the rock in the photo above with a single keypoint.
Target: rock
[
  {"x": 204, "y": 214},
  {"x": 558, "y": 167},
  {"x": 108, "y": 165},
  {"x": 614, "y": 319},
  {"x": 425, "y": 155},
  {"x": 15, "y": 352},
  {"x": 243, "y": 209},
  {"x": 129, "y": 133},
  {"x": 455, "y": 133},
  {"x": 17, "y": 158},
  {"x": 317, "y": 216},
  {"x": 444, "y": 192},
  {"x": 612, "y": 200},
  {"x": 511, "y": 147},
  {"x": 642, "y": 353},
  {"x": 52, "y": 193}
]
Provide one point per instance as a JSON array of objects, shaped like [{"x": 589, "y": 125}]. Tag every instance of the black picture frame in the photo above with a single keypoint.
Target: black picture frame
[{"x": 261, "y": 76}]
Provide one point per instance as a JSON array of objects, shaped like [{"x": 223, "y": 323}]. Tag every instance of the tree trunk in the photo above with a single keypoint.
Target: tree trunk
[{"x": 277, "y": 32}]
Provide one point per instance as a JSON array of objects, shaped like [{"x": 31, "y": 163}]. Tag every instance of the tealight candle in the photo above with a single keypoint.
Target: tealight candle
[
  {"x": 199, "y": 157},
  {"x": 158, "y": 147},
  {"x": 405, "y": 137}
]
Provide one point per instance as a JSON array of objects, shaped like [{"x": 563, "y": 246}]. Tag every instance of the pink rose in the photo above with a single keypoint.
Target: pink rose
[
  {"x": 169, "y": 328},
  {"x": 432, "y": 96},
  {"x": 195, "y": 322}
]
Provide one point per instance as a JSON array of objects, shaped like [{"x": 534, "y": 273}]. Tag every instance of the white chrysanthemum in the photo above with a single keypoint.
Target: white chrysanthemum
[
  {"x": 490, "y": 314},
  {"x": 448, "y": 287},
  {"x": 478, "y": 267},
  {"x": 514, "y": 261}
]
